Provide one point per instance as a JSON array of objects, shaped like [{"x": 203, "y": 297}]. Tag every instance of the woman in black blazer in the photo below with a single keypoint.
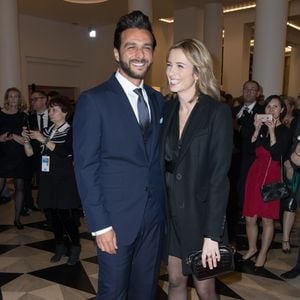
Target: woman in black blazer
[{"x": 196, "y": 153}]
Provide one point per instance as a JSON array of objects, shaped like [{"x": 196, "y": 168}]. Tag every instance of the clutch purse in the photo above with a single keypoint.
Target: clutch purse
[
  {"x": 275, "y": 190},
  {"x": 224, "y": 266}
]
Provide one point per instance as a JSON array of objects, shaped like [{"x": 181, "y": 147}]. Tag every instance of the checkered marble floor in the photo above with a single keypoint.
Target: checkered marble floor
[{"x": 26, "y": 273}]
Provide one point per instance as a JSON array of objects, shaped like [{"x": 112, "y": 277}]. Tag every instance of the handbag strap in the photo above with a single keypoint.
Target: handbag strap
[
  {"x": 281, "y": 168},
  {"x": 267, "y": 170}
]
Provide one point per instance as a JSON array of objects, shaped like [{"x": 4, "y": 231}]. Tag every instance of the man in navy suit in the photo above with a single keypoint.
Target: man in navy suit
[{"x": 116, "y": 157}]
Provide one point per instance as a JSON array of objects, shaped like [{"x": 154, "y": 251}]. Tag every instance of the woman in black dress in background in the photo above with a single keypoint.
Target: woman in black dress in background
[
  {"x": 13, "y": 162},
  {"x": 57, "y": 190}
]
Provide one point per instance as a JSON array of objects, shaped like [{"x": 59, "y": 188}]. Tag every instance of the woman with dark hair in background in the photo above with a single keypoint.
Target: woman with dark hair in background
[
  {"x": 57, "y": 191},
  {"x": 196, "y": 154},
  {"x": 13, "y": 162},
  {"x": 272, "y": 140}
]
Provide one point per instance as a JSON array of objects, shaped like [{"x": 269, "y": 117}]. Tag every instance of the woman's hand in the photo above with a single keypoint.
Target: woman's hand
[
  {"x": 271, "y": 125},
  {"x": 36, "y": 135},
  {"x": 5, "y": 137},
  {"x": 210, "y": 253},
  {"x": 25, "y": 134},
  {"x": 257, "y": 123},
  {"x": 297, "y": 149},
  {"x": 17, "y": 138}
]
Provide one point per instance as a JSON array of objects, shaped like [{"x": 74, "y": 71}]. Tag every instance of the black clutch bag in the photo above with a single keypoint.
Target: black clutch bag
[
  {"x": 275, "y": 190},
  {"x": 224, "y": 266}
]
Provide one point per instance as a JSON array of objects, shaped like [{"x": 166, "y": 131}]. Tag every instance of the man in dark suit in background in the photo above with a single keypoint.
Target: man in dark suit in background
[
  {"x": 38, "y": 119},
  {"x": 244, "y": 154},
  {"x": 116, "y": 157}
]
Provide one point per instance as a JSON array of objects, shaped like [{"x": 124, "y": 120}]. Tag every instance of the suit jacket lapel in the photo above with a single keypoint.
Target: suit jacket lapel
[
  {"x": 155, "y": 119},
  {"x": 125, "y": 107}
]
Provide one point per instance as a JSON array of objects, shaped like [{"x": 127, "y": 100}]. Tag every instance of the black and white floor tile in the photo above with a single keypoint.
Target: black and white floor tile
[{"x": 27, "y": 274}]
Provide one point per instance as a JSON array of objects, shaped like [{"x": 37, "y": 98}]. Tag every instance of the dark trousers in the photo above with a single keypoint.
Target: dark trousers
[
  {"x": 65, "y": 221},
  {"x": 133, "y": 272}
]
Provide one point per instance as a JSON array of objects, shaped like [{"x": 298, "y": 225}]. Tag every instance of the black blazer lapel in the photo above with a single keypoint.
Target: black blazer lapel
[
  {"x": 193, "y": 127},
  {"x": 171, "y": 107}
]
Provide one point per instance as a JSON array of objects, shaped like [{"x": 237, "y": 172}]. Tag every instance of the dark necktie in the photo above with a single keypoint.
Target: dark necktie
[
  {"x": 143, "y": 111},
  {"x": 246, "y": 111},
  {"x": 41, "y": 116}
]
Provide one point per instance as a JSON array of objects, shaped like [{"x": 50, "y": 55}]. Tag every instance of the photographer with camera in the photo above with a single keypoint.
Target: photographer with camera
[{"x": 272, "y": 140}]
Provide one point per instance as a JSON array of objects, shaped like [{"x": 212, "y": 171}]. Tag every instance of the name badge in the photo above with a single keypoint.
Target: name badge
[{"x": 45, "y": 163}]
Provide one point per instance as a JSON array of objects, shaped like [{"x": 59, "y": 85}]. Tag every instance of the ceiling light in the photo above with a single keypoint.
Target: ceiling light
[
  {"x": 92, "y": 33},
  {"x": 85, "y": 1},
  {"x": 288, "y": 49},
  {"x": 167, "y": 20},
  {"x": 238, "y": 7},
  {"x": 293, "y": 25}
]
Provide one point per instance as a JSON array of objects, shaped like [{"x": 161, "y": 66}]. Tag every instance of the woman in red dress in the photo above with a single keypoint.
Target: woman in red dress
[{"x": 272, "y": 140}]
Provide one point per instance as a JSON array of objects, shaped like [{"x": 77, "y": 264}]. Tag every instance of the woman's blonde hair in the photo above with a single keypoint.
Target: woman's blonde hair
[
  {"x": 200, "y": 58},
  {"x": 12, "y": 89}
]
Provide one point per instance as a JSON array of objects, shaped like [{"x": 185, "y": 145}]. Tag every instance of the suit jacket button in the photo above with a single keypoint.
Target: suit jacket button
[
  {"x": 178, "y": 176},
  {"x": 146, "y": 189}
]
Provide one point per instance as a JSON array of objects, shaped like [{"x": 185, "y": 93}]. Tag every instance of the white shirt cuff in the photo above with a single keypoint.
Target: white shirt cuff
[{"x": 102, "y": 231}]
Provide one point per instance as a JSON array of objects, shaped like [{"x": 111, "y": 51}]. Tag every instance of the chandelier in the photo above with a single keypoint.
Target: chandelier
[{"x": 85, "y": 1}]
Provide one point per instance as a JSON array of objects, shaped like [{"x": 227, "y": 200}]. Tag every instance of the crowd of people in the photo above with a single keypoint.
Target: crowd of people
[
  {"x": 36, "y": 145},
  {"x": 150, "y": 172}
]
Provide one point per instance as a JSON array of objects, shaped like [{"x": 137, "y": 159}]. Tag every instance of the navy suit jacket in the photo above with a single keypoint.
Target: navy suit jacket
[{"x": 118, "y": 175}]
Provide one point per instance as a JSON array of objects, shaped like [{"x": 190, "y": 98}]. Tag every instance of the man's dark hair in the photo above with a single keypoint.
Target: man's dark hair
[
  {"x": 253, "y": 81},
  {"x": 135, "y": 19},
  {"x": 41, "y": 93}
]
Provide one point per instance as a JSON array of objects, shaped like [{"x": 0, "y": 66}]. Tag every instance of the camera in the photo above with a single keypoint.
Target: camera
[{"x": 265, "y": 117}]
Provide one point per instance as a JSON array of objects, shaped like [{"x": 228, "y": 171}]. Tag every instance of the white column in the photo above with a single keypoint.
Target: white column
[
  {"x": 270, "y": 38},
  {"x": 294, "y": 76},
  {"x": 143, "y": 5},
  {"x": 236, "y": 54},
  {"x": 188, "y": 23},
  {"x": 213, "y": 26},
  {"x": 10, "y": 70}
]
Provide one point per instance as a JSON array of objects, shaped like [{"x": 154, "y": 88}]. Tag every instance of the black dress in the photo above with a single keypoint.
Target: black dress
[
  {"x": 172, "y": 148},
  {"x": 13, "y": 161},
  {"x": 58, "y": 186}
]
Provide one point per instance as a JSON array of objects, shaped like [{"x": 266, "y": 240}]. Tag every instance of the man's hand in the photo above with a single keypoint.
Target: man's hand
[{"x": 107, "y": 242}]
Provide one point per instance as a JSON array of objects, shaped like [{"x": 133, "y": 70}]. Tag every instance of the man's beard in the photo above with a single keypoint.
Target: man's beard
[{"x": 128, "y": 71}]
